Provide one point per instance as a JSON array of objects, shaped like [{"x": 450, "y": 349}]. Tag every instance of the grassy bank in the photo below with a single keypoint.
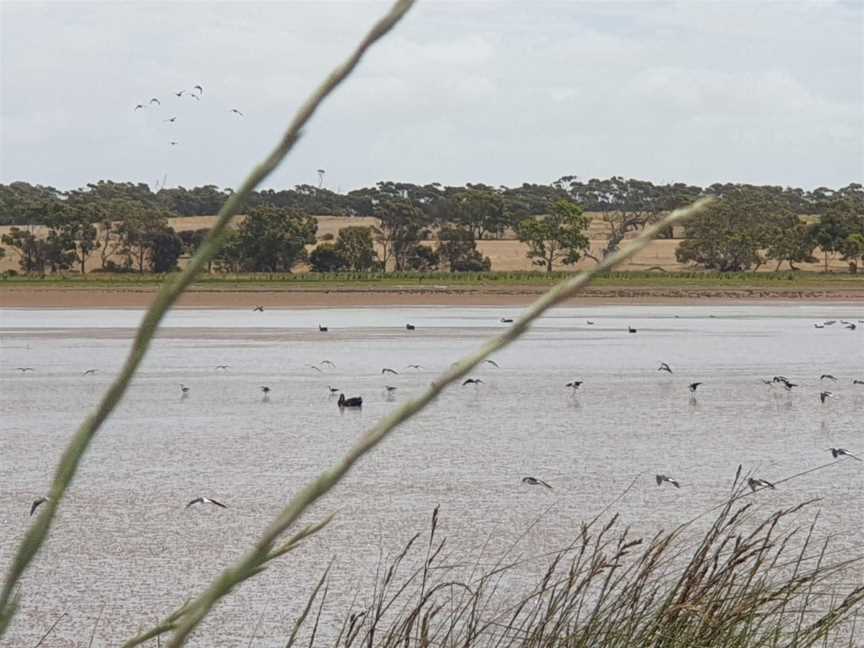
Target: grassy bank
[
  {"x": 750, "y": 580},
  {"x": 781, "y": 281}
]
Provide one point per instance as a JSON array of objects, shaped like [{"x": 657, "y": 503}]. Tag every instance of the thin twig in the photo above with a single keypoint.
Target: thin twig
[{"x": 168, "y": 295}]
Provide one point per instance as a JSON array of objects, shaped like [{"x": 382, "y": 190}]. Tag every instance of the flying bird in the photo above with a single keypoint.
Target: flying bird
[
  {"x": 414, "y": 366},
  {"x": 173, "y": 143},
  {"x": 234, "y": 110},
  {"x": 25, "y": 369},
  {"x": 327, "y": 362},
  {"x": 755, "y": 484},
  {"x": 664, "y": 367},
  {"x": 506, "y": 320},
  {"x": 179, "y": 94},
  {"x": 199, "y": 89},
  {"x": 37, "y": 503},
  {"x": 389, "y": 370},
  {"x": 828, "y": 376},
  {"x": 222, "y": 367},
  {"x": 663, "y": 478},
  {"x": 842, "y": 452},
  {"x": 156, "y": 101},
  {"x": 576, "y": 384},
  {"x": 533, "y": 481},
  {"x": 694, "y": 386},
  {"x": 89, "y": 372},
  {"x": 356, "y": 401},
  {"x": 817, "y": 325},
  {"x": 493, "y": 363},
  {"x": 172, "y": 120},
  {"x": 472, "y": 381},
  {"x": 318, "y": 369},
  {"x": 390, "y": 389},
  {"x": 333, "y": 390},
  {"x": 205, "y": 500},
  {"x": 258, "y": 309},
  {"x": 410, "y": 327},
  {"x": 184, "y": 390},
  {"x": 139, "y": 106},
  {"x": 825, "y": 395},
  {"x": 590, "y": 323}
]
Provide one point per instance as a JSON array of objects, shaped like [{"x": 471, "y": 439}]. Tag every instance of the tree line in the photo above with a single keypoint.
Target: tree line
[{"x": 126, "y": 225}]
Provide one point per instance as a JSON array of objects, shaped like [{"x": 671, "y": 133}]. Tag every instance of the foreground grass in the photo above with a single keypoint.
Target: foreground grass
[
  {"x": 771, "y": 281},
  {"x": 748, "y": 582}
]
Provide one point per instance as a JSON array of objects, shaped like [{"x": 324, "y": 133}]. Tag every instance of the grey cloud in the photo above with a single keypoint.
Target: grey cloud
[{"x": 494, "y": 92}]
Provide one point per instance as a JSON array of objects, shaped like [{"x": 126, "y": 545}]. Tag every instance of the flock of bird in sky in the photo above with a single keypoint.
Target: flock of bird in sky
[
  {"x": 196, "y": 93},
  {"x": 356, "y": 402}
]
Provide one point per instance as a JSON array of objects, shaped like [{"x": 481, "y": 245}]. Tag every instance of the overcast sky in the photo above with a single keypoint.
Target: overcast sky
[{"x": 494, "y": 92}]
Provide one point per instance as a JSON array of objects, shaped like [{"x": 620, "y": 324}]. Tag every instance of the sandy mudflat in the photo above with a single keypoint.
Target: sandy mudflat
[{"x": 138, "y": 297}]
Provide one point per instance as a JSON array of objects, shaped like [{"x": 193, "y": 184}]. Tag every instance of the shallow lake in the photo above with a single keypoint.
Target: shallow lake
[{"x": 124, "y": 547}]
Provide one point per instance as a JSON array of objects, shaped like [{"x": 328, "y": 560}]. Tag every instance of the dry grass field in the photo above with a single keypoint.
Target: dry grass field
[{"x": 507, "y": 255}]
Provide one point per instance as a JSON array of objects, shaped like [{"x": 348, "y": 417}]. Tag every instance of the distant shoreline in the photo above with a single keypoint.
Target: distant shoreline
[{"x": 344, "y": 296}]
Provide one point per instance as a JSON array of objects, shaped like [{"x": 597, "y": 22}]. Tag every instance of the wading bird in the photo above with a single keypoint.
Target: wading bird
[
  {"x": 533, "y": 481},
  {"x": 755, "y": 484},
  {"x": 630, "y": 329},
  {"x": 663, "y": 478},
  {"x": 389, "y": 370},
  {"x": 333, "y": 390},
  {"x": 842, "y": 452},
  {"x": 664, "y": 367},
  {"x": 37, "y": 503},
  {"x": 266, "y": 390},
  {"x": 205, "y": 500},
  {"x": 356, "y": 401},
  {"x": 858, "y": 382},
  {"x": 472, "y": 381},
  {"x": 322, "y": 328},
  {"x": 694, "y": 386},
  {"x": 321, "y": 173},
  {"x": 410, "y": 327},
  {"x": 184, "y": 391}
]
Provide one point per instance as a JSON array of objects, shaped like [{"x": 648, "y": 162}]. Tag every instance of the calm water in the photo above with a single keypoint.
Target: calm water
[{"x": 124, "y": 542}]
